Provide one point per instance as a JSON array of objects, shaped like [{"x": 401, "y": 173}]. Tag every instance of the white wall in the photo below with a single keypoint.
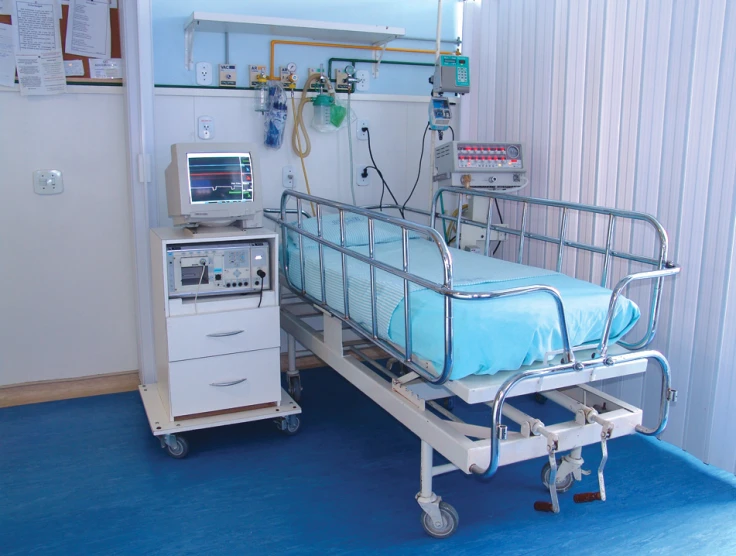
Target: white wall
[
  {"x": 632, "y": 104},
  {"x": 396, "y": 124},
  {"x": 67, "y": 277}
]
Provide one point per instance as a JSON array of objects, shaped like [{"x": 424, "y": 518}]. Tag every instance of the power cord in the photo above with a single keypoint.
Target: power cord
[
  {"x": 196, "y": 294},
  {"x": 453, "y": 132},
  {"x": 500, "y": 217},
  {"x": 380, "y": 174},
  {"x": 262, "y": 276},
  {"x": 419, "y": 171}
]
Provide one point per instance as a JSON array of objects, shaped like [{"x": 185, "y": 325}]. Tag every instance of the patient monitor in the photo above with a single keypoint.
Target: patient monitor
[{"x": 214, "y": 184}]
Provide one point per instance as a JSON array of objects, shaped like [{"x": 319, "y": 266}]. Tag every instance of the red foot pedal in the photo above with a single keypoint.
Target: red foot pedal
[
  {"x": 543, "y": 506},
  {"x": 587, "y": 497}
]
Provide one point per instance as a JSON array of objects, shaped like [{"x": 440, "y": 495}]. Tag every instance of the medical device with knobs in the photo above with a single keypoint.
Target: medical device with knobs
[{"x": 497, "y": 166}]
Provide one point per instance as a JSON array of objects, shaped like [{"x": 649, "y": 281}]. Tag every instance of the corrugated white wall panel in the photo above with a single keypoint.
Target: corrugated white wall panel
[{"x": 632, "y": 104}]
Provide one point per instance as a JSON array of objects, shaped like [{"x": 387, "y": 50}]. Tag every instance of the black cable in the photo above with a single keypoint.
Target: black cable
[
  {"x": 453, "y": 132},
  {"x": 500, "y": 217},
  {"x": 419, "y": 171},
  {"x": 262, "y": 275},
  {"x": 380, "y": 175}
]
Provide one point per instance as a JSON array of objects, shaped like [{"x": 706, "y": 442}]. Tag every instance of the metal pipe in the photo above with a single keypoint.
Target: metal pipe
[
  {"x": 407, "y": 299},
  {"x": 445, "y": 468},
  {"x": 339, "y": 45},
  {"x": 372, "y": 270},
  {"x": 489, "y": 222},
  {"x": 524, "y": 212},
  {"x": 301, "y": 246},
  {"x": 563, "y": 230},
  {"x": 426, "y": 470},
  {"x": 609, "y": 244},
  {"x": 346, "y": 306},
  {"x": 322, "y": 286}
]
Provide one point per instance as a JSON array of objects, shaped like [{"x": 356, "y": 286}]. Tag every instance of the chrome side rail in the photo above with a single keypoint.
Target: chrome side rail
[
  {"x": 562, "y": 243},
  {"x": 446, "y": 288},
  {"x": 498, "y": 431}
]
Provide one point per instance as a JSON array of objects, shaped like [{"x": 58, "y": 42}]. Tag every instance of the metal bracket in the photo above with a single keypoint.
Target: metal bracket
[
  {"x": 431, "y": 507},
  {"x": 407, "y": 394},
  {"x": 168, "y": 440},
  {"x": 672, "y": 395},
  {"x": 189, "y": 46}
]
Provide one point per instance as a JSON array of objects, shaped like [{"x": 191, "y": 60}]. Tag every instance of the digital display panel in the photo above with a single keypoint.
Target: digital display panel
[{"x": 220, "y": 178}]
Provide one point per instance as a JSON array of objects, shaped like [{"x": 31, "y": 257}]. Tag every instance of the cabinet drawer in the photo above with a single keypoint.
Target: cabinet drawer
[
  {"x": 211, "y": 334},
  {"x": 225, "y": 382}
]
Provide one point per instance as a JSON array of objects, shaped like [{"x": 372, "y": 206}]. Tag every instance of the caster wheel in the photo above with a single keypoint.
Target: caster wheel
[
  {"x": 291, "y": 425},
  {"x": 295, "y": 388},
  {"x": 562, "y": 484},
  {"x": 180, "y": 449},
  {"x": 450, "y": 520}
]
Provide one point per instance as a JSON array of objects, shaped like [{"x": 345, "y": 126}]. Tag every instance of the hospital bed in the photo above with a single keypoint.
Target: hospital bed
[{"x": 466, "y": 325}]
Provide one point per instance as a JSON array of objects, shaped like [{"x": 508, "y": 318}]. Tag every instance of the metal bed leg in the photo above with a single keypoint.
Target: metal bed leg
[
  {"x": 439, "y": 518},
  {"x": 292, "y": 374}
]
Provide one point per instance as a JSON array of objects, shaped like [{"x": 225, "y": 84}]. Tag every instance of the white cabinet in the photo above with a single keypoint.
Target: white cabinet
[{"x": 218, "y": 350}]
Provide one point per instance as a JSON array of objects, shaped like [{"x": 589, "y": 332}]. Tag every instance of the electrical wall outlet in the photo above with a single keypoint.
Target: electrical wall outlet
[
  {"x": 362, "y": 135},
  {"x": 48, "y": 182},
  {"x": 287, "y": 177},
  {"x": 362, "y": 176},
  {"x": 204, "y": 73},
  {"x": 363, "y": 77},
  {"x": 228, "y": 75},
  {"x": 205, "y": 127}
]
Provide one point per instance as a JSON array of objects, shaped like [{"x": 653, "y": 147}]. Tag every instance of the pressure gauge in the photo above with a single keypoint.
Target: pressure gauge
[
  {"x": 350, "y": 70},
  {"x": 512, "y": 151},
  {"x": 291, "y": 67}
]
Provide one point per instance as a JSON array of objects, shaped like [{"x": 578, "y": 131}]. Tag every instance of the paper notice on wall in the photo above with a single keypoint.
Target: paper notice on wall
[
  {"x": 88, "y": 28},
  {"x": 41, "y": 74},
  {"x": 7, "y": 56},
  {"x": 36, "y": 27},
  {"x": 111, "y": 68},
  {"x": 5, "y": 7},
  {"x": 73, "y": 68}
]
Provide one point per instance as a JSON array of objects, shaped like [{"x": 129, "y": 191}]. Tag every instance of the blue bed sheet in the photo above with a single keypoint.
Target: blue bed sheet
[{"x": 490, "y": 335}]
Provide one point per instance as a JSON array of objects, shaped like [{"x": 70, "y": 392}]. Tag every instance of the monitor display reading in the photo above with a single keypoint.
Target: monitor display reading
[{"x": 220, "y": 178}]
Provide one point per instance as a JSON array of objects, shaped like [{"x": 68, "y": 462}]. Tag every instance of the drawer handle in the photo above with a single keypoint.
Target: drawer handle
[
  {"x": 231, "y": 383},
  {"x": 223, "y": 334}
]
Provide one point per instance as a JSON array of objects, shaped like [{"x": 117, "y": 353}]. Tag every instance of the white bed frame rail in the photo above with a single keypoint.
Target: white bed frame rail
[{"x": 411, "y": 397}]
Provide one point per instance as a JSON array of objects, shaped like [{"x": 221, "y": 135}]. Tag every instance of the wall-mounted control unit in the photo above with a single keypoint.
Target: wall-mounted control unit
[
  {"x": 215, "y": 269},
  {"x": 498, "y": 166}
]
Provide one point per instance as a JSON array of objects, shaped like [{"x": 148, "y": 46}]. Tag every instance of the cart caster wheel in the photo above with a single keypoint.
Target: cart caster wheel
[
  {"x": 180, "y": 449},
  {"x": 290, "y": 425},
  {"x": 562, "y": 485},
  {"x": 295, "y": 388},
  {"x": 448, "y": 403},
  {"x": 540, "y": 399},
  {"x": 450, "y": 520}
]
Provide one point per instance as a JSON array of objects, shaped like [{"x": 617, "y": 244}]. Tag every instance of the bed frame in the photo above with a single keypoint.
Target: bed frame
[{"x": 422, "y": 400}]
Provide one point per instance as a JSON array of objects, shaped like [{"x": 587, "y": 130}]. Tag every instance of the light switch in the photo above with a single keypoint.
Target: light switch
[{"x": 48, "y": 182}]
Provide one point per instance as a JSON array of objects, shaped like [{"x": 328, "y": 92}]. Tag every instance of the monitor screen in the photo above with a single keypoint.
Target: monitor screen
[{"x": 220, "y": 178}]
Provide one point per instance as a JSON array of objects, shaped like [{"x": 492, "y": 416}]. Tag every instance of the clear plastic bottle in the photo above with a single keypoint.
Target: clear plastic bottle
[{"x": 261, "y": 96}]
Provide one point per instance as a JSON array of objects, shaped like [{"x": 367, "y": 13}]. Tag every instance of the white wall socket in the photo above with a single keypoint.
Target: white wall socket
[
  {"x": 363, "y": 77},
  {"x": 205, "y": 127},
  {"x": 359, "y": 179},
  {"x": 362, "y": 135},
  {"x": 48, "y": 182},
  {"x": 287, "y": 177},
  {"x": 204, "y": 73}
]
